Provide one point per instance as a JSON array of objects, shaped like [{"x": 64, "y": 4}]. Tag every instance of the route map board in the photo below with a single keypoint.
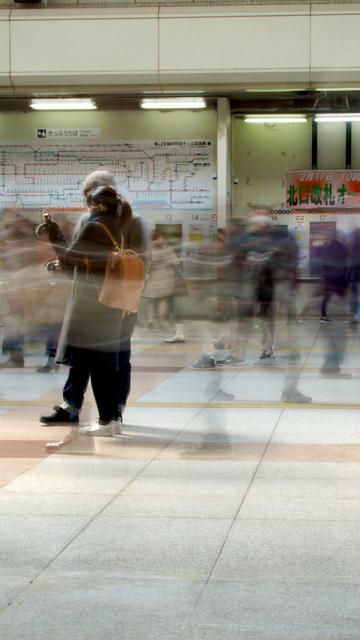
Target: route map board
[{"x": 155, "y": 175}]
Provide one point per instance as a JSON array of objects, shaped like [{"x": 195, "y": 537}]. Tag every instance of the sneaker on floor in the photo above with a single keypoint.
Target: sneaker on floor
[
  {"x": 266, "y": 353},
  {"x": 118, "y": 427},
  {"x": 14, "y": 362},
  {"x": 59, "y": 417},
  {"x": 118, "y": 424},
  {"x": 325, "y": 319},
  {"x": 231, "y": 360},
  {"x": 49, "y": 367},
  {"x": 205, "y": 362},
  {"x": 296, "y": 396},
  {"x": 175, "y": 339},
  {"x": 104, "y": 430},
  {"x": 334, "y": 373},
  {"x": 224, "y": 395}
]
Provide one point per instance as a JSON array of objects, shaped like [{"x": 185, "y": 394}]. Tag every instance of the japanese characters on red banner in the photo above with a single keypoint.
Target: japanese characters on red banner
[{"x": 319, "y": 189}]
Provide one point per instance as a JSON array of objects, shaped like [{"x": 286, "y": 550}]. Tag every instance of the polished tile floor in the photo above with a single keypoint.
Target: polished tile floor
[{"x": 223, "y": 511}]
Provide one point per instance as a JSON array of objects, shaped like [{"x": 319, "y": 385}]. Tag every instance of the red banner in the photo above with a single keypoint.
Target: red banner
[{"x": 323, "y": 189}]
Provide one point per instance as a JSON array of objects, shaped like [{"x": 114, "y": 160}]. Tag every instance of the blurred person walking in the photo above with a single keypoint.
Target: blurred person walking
[
  {"x": 335, "y": 272},
  {"x": 163, "y": 274},
  {"x": 354, "y": 275}
]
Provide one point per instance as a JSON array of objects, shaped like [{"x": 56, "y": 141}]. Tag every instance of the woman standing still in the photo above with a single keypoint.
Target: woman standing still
[{"x": 90, "y": 337}]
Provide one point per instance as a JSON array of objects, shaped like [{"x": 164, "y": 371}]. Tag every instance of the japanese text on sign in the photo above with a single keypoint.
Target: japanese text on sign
[{"x": 323, "y": 189}]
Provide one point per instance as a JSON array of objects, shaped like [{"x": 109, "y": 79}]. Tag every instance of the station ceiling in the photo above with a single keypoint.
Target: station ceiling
[{"x": 242, "y": 101}]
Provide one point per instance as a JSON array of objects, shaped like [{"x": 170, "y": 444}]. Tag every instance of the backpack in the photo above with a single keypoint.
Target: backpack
[{"x": 124, "y": 278}]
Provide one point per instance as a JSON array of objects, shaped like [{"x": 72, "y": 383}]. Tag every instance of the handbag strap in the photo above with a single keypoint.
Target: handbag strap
[{"x": 111, "y": 237}]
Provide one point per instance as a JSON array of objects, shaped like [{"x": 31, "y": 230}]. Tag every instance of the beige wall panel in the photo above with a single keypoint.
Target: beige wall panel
[
  {"x": 230, "y": 47},
  {"x": 88, "y": 48},
  {"x": 335, "y": 49},
  {"x": 355, "y": 160},
  {"x": 4, "y": 49},
  {"x": 331, "y": 145},
  {"x": 262, "y": 155},
  {"x": 115, "y": 125}
]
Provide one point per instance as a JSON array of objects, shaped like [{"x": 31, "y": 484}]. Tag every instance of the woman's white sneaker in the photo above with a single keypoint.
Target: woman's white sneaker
[
  {"x": 107, "y": 430},
  {"x": 118, "y": 426}
]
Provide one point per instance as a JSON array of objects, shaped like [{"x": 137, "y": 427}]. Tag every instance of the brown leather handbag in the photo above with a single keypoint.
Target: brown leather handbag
[{"x": 124, "y": 278}]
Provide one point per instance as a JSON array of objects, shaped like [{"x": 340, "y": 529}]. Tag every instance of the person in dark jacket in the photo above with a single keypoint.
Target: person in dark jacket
[
  {"x": 354, "y": 275},
  {"x": 335, "y": 272},
  {"x": 136, "y": 238},
  {"x": 89, "y": 342}
]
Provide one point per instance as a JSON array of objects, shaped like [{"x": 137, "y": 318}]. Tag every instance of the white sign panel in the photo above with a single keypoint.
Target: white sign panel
[
  {"x": 67, "y": 133},
  {"x": 155, "y": 175}
]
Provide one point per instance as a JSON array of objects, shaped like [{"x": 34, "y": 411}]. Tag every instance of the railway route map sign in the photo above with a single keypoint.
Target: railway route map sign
[{"x": 156, "y": 175}]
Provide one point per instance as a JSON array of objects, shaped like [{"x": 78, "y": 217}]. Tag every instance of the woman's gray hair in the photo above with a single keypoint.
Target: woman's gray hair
[{"x": 98, "y": 178}]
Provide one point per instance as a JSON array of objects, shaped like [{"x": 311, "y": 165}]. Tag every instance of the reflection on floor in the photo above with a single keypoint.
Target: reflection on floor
[{"x": 225, "y": 511}]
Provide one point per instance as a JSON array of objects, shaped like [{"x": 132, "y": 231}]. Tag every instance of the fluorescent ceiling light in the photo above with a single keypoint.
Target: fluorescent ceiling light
[
  {"x": 62, "y": 104},
  {"x": 324, "y": 89},
  {"x": 338, "y": 117},
  {"x": 273, "y": 119},
  {"x": 173, "y": 103},
  {"x": 267, "y": 90}
]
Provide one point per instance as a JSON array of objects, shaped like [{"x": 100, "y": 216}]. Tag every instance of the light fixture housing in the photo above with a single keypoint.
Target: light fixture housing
[
  {"x": 336, "y": 89},
  {"x": 173, "y": 103},
  {"x": 275, "y": 119},
  {"x": 276, "y": 90},
  {"x": 337, "y": 117},
  {"x": 63, "y": 104}
]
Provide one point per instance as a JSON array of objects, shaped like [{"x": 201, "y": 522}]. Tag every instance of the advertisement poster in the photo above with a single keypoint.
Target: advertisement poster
[{"x": 319, "y": 189}]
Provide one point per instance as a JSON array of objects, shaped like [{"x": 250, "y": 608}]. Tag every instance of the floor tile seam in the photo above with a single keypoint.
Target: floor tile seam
[
  {"x": 234, "y": 519},
  {"x": 297, "y": 378},
  {"x": 98, "y": 514},
  {"x": 60, "y": 493},
  {"x": 308, "y": 499},
  {"x": 44, "y": 568},
  {"x": 299, "y": 519},
  {"x": 312, "y": 520},
  {"x": 280, "y": 581},
  {"x": 86, "y": 525},
  {"x": 301, "y": 368},
  {"x": 321, "y": 497},
  {"x": 132, "y": 495},
  {"x": 119, "y": 516}
]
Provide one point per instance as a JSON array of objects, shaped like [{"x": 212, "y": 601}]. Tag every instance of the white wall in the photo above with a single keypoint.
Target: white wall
[
  {"x": 264, "y": 153},
  {"x": 124, "y": 125},
  {"x": 261, "y": 154},
  {"x": 121, "y": 125},
  {"x": 193, "y": 47}
]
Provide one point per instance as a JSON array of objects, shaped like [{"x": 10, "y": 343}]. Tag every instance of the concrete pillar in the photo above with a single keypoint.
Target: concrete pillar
[{"x": 223, "y": 161}]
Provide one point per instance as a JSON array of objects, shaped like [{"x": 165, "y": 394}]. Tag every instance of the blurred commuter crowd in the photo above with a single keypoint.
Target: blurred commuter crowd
[{"x": 236, "y": 294}]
